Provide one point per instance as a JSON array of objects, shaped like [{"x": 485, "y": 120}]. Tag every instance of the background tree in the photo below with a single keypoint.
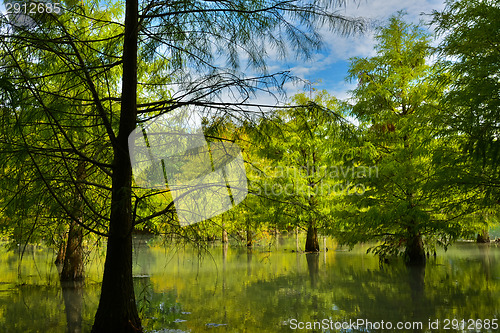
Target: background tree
[
  {"x": 394, "y": 102},
  {"x": 469, "y": 54},
  {"x": 298, "y": 146}
]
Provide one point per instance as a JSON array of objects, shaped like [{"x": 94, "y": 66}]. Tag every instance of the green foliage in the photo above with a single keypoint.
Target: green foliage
[
  {"x": 396, "y": 102},
  {"x": 54, "y": 153},
  {"x": 470, "y": 53},
  {"x": 61, "y": 79},
  {"x": 292, "y": 167}
]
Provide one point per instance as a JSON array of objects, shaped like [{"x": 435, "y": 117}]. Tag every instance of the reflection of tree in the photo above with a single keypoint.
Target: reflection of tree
[
  {"x": 484, "y": 251},
  {"x": 313, "y": 267},
  {"x": 33, "y": 302},
  {"x": 280, "y": 287},
  {"x": 249, "y": 262},
  {"x": 72, "y": 292},
  {"x": 416, "y": 280},
  {"x": 283, "y": 286},
  {"x": 224, "y": 260}
]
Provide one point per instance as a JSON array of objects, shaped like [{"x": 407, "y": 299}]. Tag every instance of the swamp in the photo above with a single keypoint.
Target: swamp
[{"x": 229, "y": 288}]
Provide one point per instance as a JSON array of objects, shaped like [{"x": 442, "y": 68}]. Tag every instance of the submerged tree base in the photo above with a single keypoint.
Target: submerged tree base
[
  {"x": 312, "y": 244},
  {"x": 483, "y": 237},
  {"x": 415, "y": 253}
]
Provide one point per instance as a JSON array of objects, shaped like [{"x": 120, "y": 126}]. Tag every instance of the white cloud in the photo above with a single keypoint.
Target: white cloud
[
  {"x": 329, "y": 65},
  {"x": 341, "y": 48}
]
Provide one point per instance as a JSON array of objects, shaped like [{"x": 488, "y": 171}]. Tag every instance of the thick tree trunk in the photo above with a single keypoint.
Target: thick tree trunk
[
  {"x": 117, "y": 311},
  {"x": 312, "y": 244},
  {"x": 73, "y": 260},
  {"x": 415, "y": 252},
  {"x": 483, "y": 237}
]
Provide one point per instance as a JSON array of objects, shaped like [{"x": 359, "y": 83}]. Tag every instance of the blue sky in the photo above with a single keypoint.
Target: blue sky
[{"x": 330, "y": 66}]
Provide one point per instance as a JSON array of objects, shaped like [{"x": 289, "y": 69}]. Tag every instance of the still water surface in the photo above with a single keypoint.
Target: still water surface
[{"x": 268, "y": 289}]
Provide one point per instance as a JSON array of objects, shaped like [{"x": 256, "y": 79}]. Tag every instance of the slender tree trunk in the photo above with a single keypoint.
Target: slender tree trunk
[
  {"x": 61, "y": 253},
  {"x": 225, "y": 239},
  {"x": 276, "y": 236},
  {"x": 117, "y": 311},
  {"x": 312, "y": 244},
  {"x": 414, "y": 252},
  {"x": 297, "y": 238},
  {"x": 249, "y": 236}
]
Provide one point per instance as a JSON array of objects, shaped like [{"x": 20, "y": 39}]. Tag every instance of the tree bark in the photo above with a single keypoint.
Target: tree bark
[
  {"x": 249, "y": 236},
  {"x": 483, "y": 237},
  {"x": 276, "y": 236},
  {"x": 225, "y": 239},
  {"x": 415, "y": 253},
  {"x": 312, "y": 244},
  {"x": 73, "y": 268},
  {"x": 297, "y": 238},
  {"x": 117, "y": 310},
  {"x": 73, "y": 260},
  {"x": 61, "y": 253}
]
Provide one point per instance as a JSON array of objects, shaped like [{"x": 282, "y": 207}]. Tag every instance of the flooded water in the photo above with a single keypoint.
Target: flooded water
[{"x": 268, "y": 289}]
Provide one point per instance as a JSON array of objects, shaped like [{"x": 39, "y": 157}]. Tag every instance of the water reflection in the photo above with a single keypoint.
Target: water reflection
[
  {"x": 484, "y": 251},
  {"x": 249, "y": 261},
  {"x": 416, "y": 281},
  {"x": 72, "y": 292},
  {"x": 313, "y": 267},
  {"x": 252, "y": 290}
]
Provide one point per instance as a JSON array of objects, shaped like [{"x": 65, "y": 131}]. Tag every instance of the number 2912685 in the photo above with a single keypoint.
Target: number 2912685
[{"x": 32, "y": 8}]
